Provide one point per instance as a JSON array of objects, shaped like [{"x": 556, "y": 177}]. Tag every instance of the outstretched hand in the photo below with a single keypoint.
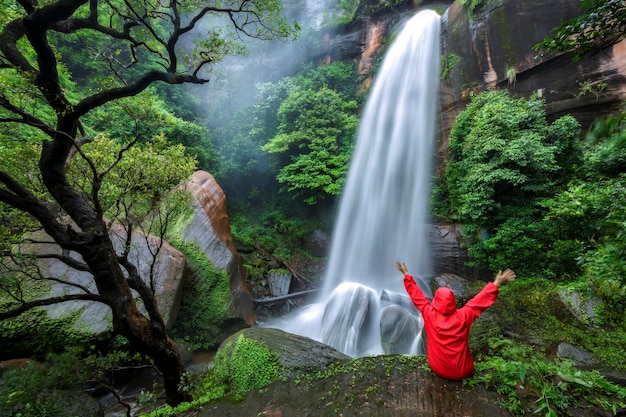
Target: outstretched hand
[
  {"x": 400, "y": 266},
  {"x": 503, "y": 277}
]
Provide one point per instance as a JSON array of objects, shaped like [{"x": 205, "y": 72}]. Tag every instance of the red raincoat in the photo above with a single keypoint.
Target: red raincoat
[{"x": 448, "y": 328}]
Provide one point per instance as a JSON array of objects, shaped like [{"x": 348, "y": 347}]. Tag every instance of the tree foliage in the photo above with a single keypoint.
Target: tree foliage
[
  {"x": 600, "y": 24},
  {"x": 505, "y": 159},
  {"x": 503, "y": 154},
  {"x": 535, "y": 197},
  {"x": 315, "y": 134},
  {"x": 592, "y": 213},
  {"x": 246, "y": 168},
  {"x": 61, "y": 173}
]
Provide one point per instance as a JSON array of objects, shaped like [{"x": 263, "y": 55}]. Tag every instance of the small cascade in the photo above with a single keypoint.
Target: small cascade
[{"x": 383, "y": 212}]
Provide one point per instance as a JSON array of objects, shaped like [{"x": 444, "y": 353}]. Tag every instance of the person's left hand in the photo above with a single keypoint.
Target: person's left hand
[
  {"x": 503, "y": 277},
  {"x": 400, "y": 266}
]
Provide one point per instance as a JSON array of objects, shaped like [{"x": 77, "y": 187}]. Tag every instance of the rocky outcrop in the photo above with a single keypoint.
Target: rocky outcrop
[
  {"x": 494, "y": 48},
  {"x": 449, "y": 252},
  {"x": 297, "y": 353},
  {"x": 367, "y": 42},
  {"x": 581, "y": 307},
  {"x": 168, "y": 268},
  {"x": 383, "y": 386},
  {"x": 210, "y": 230}
]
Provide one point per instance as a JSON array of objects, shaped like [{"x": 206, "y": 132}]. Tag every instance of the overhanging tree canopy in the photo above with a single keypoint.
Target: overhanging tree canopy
[{"x": 128, "y": 45}]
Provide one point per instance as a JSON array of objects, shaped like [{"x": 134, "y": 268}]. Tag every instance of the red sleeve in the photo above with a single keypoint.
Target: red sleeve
[
  {"x": 481, "y": 301},
  {"x": 418, "y": 297}
]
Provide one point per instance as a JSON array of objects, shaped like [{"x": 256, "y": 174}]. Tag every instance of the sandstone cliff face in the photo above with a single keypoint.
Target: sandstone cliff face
[
  {"x": 210, "y": 230},
  {"x": 492, "y": 49},
  {"x": 495, "y": 49},
  {"x": 366, "y": 43}
]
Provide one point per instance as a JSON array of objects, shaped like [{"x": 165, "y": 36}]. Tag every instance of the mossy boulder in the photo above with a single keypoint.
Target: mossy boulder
[{"x": 295, "y": 354}]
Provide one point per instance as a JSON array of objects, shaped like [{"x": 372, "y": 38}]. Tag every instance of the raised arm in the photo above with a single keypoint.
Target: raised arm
[
  {"x": 416, "y": 294},
  {"x": 487, "y": 296}
]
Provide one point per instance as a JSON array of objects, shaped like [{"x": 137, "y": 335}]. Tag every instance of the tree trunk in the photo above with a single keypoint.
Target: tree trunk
[{"x": 148, "y": 335}]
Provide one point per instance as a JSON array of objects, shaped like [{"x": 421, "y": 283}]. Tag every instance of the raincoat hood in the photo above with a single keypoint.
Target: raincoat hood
[{"x": 444, "y": 301}]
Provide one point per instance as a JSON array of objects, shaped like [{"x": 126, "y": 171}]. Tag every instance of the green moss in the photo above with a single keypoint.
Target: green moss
[
  {"x": 247, "y": 365},
  {"x": 448, "y": 64},
  {"x": 362, "y": 367},
  {"x": 179, "y": 223},
  {"x": 34, "y": 333},
  {"x": 505, "y": 38},
  {"x": 474, "y": 6},
  {"x": 207, "y": 302}
]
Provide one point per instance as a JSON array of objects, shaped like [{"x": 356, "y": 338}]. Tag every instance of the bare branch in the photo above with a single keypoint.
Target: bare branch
[
  {"x": 75, "y": 149},
  {"x": 33, "y": 271},
  {"x": 133, "y": 89},
  {"x": 18, "y": 196},
  {"x": 14, "y": 312},
  {"x": 25, "y": 118},
  {"x": 113, "y": 391},
  {"x": 67, "y": 260}
]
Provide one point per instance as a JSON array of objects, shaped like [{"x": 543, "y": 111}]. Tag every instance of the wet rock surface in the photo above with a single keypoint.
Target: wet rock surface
[
  {"x": 296, "y": 352},
  {"x": 385, "y": 386},
  {"x": 494, "y": 48}
]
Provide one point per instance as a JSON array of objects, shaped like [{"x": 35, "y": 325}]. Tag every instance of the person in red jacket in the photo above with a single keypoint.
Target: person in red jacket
[{"x": 447, "y": 327}]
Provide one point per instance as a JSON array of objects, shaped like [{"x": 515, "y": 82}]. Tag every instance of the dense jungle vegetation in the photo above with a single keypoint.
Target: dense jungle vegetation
[{"x": 545, "y": 198}]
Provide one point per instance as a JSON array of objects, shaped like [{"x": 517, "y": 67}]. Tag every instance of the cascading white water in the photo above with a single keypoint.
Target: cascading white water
[
  {"x": 383, "y": 214},
  {"x": 383, "y": 210}
]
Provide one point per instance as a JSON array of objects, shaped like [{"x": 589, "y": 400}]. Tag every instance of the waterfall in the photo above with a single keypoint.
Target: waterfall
[{"x": 383, "y": 212}]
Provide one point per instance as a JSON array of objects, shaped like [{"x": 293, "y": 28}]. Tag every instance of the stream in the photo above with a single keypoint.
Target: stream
[{"x": 143, "y": 389}]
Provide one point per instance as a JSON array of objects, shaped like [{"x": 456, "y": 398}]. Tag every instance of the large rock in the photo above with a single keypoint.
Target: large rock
[
  {"x": 383, "y": 386},
  {"x": 584, "y": 309},
  {"x": 297, "y": 353},
  {"x": 349, "y": 309},
  {"x": 398, "y": 330},
  {"x": 449, "y": 252},
  {"x": 210, "y": 230},
  {"x": 494, "y": 48},
  {"x": 96, "y": 317}
]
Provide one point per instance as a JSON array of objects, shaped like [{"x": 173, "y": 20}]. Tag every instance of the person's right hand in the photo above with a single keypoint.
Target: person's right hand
[
  {"x": 400, "y": 266},
  {"x": 503, "y": 277}
]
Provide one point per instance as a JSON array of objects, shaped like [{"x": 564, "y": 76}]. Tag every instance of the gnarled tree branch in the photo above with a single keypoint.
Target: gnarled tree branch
[{"x": 21, "y": 309}]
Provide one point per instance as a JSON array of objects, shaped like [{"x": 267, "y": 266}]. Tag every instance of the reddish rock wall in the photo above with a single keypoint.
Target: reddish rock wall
[
  {"x": 495, "y": 49},
  {"x": 210, "y": 229}
]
